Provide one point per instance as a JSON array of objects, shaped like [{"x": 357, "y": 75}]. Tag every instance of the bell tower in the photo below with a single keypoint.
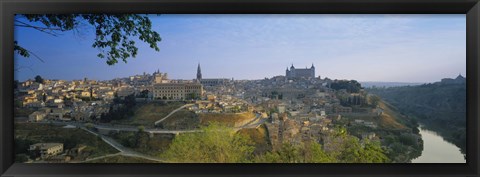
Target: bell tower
[{"x": 199, "y": 72}]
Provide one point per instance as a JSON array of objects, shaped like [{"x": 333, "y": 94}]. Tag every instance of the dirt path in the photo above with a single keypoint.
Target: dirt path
[{"x": 171, "y": 113}]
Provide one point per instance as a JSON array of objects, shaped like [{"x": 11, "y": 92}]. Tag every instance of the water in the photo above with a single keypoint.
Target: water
[{"x": 437, "y": 150}]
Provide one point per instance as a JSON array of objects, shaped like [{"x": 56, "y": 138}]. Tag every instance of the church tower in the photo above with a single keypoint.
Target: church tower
[
  {"x": 199, "y": 72},
  {"x": 312, "y": 71}
]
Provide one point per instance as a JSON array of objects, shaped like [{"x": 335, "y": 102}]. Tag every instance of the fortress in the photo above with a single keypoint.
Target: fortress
[{"x": 300, "y": 73}]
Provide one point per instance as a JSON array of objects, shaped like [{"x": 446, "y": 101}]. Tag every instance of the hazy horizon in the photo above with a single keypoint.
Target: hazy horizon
[{"x": 366, "y": 48}]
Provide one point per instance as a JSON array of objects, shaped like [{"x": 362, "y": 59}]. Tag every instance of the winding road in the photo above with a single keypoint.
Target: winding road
[
  {"x": 123, "y": 150},
  {"x": 257, "y": 121}
]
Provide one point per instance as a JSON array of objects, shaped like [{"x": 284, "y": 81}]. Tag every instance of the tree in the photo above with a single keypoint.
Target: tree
[
  {"x": 39, "y": 79},
  {"x": 21, "y": 158},
  {"x": 113, "y": 32},
  {"x": 306, "y": 152},
  {"x": 141, "y": 128},
  {"x": 144, "y": 94},
  {"x": 372, "y": 152},
  {"x": 44, "y": 97},
  {"x": 374, "y": 100},
  {"x": 351, "y": 86},
  {"x": 192, "y": 96},
  {"x": 349, "y": 149},
  {"x": 89, "y": 126},
  {"x": 214, "y": 144},
  {"x": 91, "y": 93}
]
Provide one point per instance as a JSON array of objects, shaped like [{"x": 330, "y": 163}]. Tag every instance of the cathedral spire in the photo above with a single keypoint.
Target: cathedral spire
[{"x": 199, "y": 72}]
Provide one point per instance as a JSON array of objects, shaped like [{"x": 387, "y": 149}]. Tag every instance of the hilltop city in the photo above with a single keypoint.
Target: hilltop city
[{"x": 292, "y": 108}]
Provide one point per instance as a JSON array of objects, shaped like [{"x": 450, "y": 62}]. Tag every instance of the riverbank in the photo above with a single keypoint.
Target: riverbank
[{"x": 438, "y": 150}]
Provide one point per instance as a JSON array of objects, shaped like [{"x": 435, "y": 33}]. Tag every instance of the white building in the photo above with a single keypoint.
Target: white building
[
  {"x": 37, "y": 116},
  {"x": 47, "y": 149}
]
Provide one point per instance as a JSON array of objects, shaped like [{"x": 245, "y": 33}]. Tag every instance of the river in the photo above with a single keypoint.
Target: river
[{"x": 437, "y": 150}]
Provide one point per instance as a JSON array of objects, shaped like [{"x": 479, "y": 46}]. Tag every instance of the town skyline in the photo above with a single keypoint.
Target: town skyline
[
  {"x": 388, "y": 48},
  {"x": 158, "y": 70}
]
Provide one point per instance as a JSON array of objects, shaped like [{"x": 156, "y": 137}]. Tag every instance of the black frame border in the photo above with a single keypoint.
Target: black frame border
[{"x": 8, "y": 8}]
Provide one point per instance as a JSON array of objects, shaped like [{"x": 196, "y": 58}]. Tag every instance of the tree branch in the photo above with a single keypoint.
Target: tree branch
[
  {"x": 36, "y": 56},
  {"x": 50, "y": 31}
]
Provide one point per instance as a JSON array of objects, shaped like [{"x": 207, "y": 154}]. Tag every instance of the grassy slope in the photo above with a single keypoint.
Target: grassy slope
[
  {"x": 181, "y": 120},
  {"x": 147, "y": 114},
  {"x": 155, "y": 145},
  {"x": 228, "y": 119},
  {"x": 390, "y": 119},
  {"x": 260, "y": 137}
]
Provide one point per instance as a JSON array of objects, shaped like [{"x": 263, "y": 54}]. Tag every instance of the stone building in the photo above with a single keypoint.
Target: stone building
[
  {"x": 46, "y": 150},
  {"x": 210, "y": 81},
  {"x": 177, "y": 91},
  {"x": 300, "y": 73}
]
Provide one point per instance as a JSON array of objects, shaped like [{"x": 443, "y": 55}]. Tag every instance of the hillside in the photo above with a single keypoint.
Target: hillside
[
  {"x": 147, "y": 113},
  {"x": 27, "y": 134},
  {"x": 440, "y": 107},
  {"x": 390, "y": 119},
  {"x": 260, "y": 137},
  {"x": 229, "y": 119}
]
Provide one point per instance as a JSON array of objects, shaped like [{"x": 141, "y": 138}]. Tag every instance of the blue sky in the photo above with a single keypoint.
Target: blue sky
[{"x": 399, "y": 48}]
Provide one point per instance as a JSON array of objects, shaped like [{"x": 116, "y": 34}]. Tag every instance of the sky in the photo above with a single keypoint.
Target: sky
[{"x": 394, "y": 48}]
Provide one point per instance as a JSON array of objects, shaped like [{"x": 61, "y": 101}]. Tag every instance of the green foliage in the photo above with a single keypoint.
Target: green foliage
[
  {"x": 39, "y": 79},
  {"x": 21, "y": 158},
  {"x": 113, "y": 32},
  {"x": 374, "y": 100},
  {"x": 28, "y": 134},
  {"x": 20, "y": 50},
  {"x": 144, "y": 143},
  {"x": 308, "y": 152},
  {"x": 345, "y": 148},
  {"x": 372, "y": 152},
  {"x": 89, "y": 126},
  {"x": 22, "y": 145},
  {"x": 141, "y": 128},
  {"x": 126, "y": 139},
  {"x": 144, "y": 94},
  {"x": 220, "y": 144},
  {"x": 408, "y": 139},
  {"x": 194, "y": 96},
  {"x": 274, "y": 95},
  {"x": 139, "y": 139},
  {"x": 439, "y": 107},
  {"x": 340, "y": 148},
  {"x": 124, "y": 110},
  {"x": 214, "y": 144},
  {"x": 352, "y": 86}
]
